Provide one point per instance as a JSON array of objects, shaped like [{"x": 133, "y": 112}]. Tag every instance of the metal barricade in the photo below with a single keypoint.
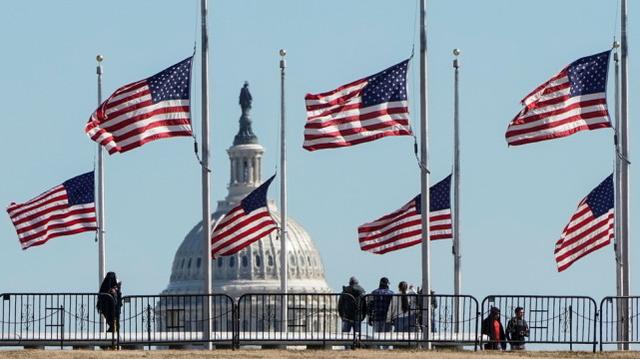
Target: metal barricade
[
  {"x": 552, "y": 319},
  {"x": 72, "y": 319},
  {"x": 311, "y": 319},
  {"x": 176, "y": 320},
  {"x": 454, "y": 320},
  {"x": 402, "y": 320},
  {"x": 619, "y": 321},
  {"x": 48, "y": 319}
]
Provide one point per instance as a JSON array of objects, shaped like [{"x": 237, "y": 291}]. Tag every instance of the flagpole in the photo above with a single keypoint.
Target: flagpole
[
  {"x": 424, "y": 175},
  {"x": 206, "y": 181},
  {"x": 624, "y": 170},
  {"x": 457, "y": 257},
  {"x": 283, "y": 196},
  {"x": 100, "y": 189},
  {"x": 618, "y": 162}
]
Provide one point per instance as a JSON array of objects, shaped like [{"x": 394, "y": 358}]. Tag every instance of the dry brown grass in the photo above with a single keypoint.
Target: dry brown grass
[{"x": 302, "y": 354}]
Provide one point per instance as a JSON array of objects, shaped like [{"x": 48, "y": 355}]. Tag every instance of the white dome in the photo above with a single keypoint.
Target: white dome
[{"x": 255, "y": 269}]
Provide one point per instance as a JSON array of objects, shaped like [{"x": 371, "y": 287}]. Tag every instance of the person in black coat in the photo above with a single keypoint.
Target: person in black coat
[
  {"x": 517, "y": 330},
  {"x": 352, "y": 306},
  {"x": 492, "y": 327},
  {"x": 110, "y": 301}
]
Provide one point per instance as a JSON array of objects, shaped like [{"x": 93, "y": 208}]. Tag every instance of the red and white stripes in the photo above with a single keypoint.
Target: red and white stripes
[
  {"x": 583, "y": 235},
  {"x": 48, "y": 216},
  {"x": 237, "y": 230},
  {"x": 402, "y": 229},
  {"x": 129, "y": 119}
]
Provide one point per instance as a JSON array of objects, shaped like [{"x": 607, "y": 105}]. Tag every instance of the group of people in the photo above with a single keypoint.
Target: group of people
[
  {"x": 516, "y": 333},
  {"x": 385, "y": 311}
]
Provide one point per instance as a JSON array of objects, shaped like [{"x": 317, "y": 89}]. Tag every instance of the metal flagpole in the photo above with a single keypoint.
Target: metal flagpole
[
  {"x": 283, "y": 196},
  {"x": 102, "y": 270},
  {"x": 616, "y": 238},
  {"x": 624, "y": 169},
  {"x": 424, "y": 175},
  {"x": 206, "y": 181},
  {"x": 100, "y": 193},
  {"x": 457, "y": 257}
]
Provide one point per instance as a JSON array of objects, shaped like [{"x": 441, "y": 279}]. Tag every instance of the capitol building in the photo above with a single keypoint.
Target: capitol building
[{"x": 255, "y": 269}]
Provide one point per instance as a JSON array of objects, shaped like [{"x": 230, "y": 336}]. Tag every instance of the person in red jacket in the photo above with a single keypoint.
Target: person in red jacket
[{"x": 492, "y": 327}]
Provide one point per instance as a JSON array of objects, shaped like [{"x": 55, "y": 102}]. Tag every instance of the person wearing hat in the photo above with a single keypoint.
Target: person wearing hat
[
  {"x": 378, "y": 305},
  {"x": 492, "y": 328},
  {"x": 352, "y": 306}
]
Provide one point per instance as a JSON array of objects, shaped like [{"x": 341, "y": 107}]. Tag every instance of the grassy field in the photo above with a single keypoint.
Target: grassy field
[{"x": 300, "y": 354}]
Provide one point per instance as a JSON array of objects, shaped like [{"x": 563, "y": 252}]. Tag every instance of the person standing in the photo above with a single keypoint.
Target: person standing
[
  {"x": 402, "y": 311},
  {"x": 492, "y": 328},
  {"x": 352, "y": 306},
  {"x": 110, "y": 301},
  {"x": 378, "y": 305},
  {"x": 517, "y": 330}
]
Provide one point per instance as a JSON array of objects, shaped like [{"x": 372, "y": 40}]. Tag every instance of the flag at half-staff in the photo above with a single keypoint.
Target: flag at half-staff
[
  {"x": 573, "y": 100},
  {"x": 64, "y": 210},
  {"x": 144, "y": 111},
  {"x": 246, "y": 223},
  {"x": 403, "y": 228},
  {"x": 590, "y": 228},
  {"x": 358, "y": 112}
]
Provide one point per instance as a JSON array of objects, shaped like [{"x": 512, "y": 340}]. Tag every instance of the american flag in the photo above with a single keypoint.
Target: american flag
[
  {"x": 403, "y": 228},
  {"x": 362, "y": 111},
  {"x": 590, "y": 228},
  {"x": 244, "y": 224},
  {"x": 571, "y": 101},
  {"x": 144, "y": 111},
  {"x": 65, "y": 209}
]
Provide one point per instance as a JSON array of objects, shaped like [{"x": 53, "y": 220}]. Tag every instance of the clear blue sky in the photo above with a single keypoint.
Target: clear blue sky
[{"x": 515, "y": 201}]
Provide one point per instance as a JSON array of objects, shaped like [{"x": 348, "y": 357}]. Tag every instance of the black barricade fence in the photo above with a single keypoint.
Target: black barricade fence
[
  {"x": 619, "y": 321},
  {"x": 65, "y": 319},
  {"x": 454, "y": 319},
  {"x": 551, "y": 320},
  {"x": 310, "y": 319},
  {"x": 413, "y": 319},
  {"x": 176, "y": 319},
  {"x": 40, "y": 319}
]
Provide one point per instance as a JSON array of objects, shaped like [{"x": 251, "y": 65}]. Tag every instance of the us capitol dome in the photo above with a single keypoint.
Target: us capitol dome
[{"x": 255, "y": 269}]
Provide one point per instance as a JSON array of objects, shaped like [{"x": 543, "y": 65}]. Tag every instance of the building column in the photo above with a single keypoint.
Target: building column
[
  {"x": 232, "y": 180},
  {"x": 238, "y": 169},
  {"x": 254, "y": 170},
  {"x": 259, "y": 165}
]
